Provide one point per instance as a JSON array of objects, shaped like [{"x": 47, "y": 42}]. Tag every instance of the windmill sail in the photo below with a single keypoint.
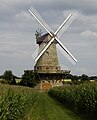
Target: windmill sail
[
  {"x": 46, "y": 47},
  {"x": 65, "y": 49},
  {"x": 39, "y": 50},
  {"x": 53, "y": 35},
  {"x": 65, "y": 54},
  {"x": 40, "y": 20},
  {"x": 65, "y": 27}
]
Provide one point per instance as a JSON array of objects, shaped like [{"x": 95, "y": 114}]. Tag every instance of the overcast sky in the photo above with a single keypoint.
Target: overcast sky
[{"x": 17, "y": 33}]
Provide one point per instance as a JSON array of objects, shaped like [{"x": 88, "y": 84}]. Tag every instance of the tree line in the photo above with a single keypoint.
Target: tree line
[
  {"x": 83, "y": 78},
  {"x": 28, "y": 78}
]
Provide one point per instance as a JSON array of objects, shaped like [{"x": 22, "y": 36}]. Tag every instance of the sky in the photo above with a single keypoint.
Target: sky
[{"x": 18, "y": 27}]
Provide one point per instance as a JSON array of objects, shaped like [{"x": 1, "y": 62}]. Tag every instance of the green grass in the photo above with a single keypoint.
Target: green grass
[
  {"x": 47, "y": 108},
  {"x": 23, "y": 103}
]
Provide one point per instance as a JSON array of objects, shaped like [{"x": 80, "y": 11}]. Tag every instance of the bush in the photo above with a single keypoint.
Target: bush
[
  {"x": 81, "y": 98},
  {"x": 28, "y": 79}
]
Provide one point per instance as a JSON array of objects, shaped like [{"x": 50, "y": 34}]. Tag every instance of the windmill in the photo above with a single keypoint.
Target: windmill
[{"x": 47, "y": 65}]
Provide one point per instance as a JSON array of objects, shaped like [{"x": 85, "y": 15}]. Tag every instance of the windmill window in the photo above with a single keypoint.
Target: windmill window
[
  {"x": 37, "y": 68},
  {"x": 47, "y": 52},
  {"x": 47, "y": 67},
  {"x": 58, "y": 68},
  {"x": 42, "y": 81}
]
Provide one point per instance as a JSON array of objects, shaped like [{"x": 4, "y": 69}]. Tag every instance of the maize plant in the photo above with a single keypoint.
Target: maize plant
[
  {"x": 82, "y": 98},
  {"x": 15, "y": 102}
]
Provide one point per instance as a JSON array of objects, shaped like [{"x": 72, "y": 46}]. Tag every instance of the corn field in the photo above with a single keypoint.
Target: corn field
[
  {"x": 80, "y": 98},
  {"x": 15, "y": 102}
]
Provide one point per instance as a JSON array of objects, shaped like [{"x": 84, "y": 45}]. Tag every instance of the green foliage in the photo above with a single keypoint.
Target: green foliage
[
  {"x": 78, "y": 79},
  {"x": 75, "y": 79},
  {"x": 15, "y": 102},
  {"x": 8, "y": 77},
  {"x": 1, "y": 76},
  {"x": 28, "y": 79},
  {"x": 47, "y": 108},
  {"x": 84, "y": 77},
  {"x": 93, "y": 78},
  {"x": 69, "y": 76},
  {"x": 81, "y": 98}
]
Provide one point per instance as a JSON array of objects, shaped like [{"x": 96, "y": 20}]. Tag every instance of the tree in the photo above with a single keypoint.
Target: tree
[
  {"x": 69, "y": 76},
  {"x": 93, "y": 78},
  {"x": 28, "y": 79},
  {"x": 75, "y": 79},
  {"x": 84, "y": 78},
  {"x": 9, "y": 77},
  {"x": 1, "y": 76},
  {"x": 13, "y": 81}
]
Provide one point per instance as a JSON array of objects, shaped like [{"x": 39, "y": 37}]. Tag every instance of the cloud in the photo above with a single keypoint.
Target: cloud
[
  {"x": 89, "y": 34},
  {"x": 17, "y": 29}
]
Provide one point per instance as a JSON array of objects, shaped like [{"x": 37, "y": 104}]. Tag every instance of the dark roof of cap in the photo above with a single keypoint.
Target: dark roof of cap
[{"x": 42, "y": 38}]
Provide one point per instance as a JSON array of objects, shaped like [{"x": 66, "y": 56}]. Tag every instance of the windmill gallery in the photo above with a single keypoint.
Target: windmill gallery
[{"x": 47, "y": 69}]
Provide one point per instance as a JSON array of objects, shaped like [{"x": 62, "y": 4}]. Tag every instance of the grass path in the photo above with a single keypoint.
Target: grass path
[{"x": 46, "y": 108}]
